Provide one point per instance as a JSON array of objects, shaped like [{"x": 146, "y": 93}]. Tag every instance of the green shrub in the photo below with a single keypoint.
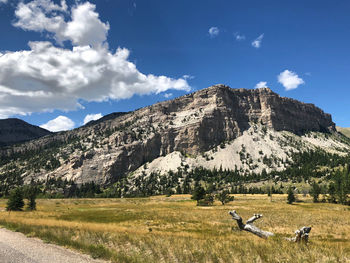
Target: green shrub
[
  {"x": 224, "y": 197},
  {"x": 208, "y": 200}
]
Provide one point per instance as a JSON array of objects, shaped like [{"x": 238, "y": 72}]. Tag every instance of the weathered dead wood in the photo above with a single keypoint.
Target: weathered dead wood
[
  {"x": 248, "y": 226},
  {"x": 301, "y": 235}
]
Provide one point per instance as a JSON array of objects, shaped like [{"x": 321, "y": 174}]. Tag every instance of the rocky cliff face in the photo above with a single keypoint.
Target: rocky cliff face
[
  {"x": 15, "y": 131},
  {"x": 193, "y": 124}
]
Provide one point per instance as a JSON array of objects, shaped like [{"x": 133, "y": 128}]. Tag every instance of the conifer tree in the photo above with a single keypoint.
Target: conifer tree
[
  {"x": 198, "y": 193},
  {"x": 30, "y": 193},
  {"x": 15, "y": 202},
  {"x": 331, "y": 191},
  {"x": 291, "y": 196},
  {"x": 315, "y": 191}
]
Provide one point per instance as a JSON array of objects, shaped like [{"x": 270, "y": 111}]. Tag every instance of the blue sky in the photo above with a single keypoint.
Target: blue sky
[{"x": 301, "y": 50}]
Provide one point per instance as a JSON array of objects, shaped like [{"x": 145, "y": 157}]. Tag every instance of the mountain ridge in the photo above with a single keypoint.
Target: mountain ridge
[
  {"x": 192, "y": 125},
  {"x": 13, "y": 130}
]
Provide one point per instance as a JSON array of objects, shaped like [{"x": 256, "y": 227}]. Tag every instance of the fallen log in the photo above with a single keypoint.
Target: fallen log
[{"x": 301, "y": 235}]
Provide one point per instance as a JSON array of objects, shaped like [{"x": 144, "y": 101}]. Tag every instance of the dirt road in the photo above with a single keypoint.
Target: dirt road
[{"x": 17, "y": 248}]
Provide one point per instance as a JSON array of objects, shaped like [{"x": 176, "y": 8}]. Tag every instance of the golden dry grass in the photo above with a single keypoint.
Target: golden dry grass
[
  {"x": 174, "y": 229},
  {"x": 345, "y": 131}
]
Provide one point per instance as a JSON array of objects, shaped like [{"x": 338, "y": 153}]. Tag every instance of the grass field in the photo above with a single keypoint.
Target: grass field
[
  {"x": 174, "y": 229},
  {"x": 345, "y": 131}
]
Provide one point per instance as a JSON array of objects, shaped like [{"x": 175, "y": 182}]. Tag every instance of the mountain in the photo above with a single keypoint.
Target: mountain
[
  {"x": 16, "y": 131},
  {"x": 345, "y": 131},
  {"x": 247, "y": 131}
]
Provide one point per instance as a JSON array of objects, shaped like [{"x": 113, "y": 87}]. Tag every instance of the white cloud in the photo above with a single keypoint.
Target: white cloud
[
  {"x": 61, "y": 123},
  {"x": 257, "y": 42},
  {"x": 239, "y": 37},
  {"x": 261, "y": 84},
  {"x": 92, "y": 117},
  {"x": 45, "y": 77},
  {"x": 214, "y": 31},
  {"x": 168, "y": 95},
  {"x": 188, "y": 77},
  {"x": 84, "y": 28},
  {"x": 290, "y": 80},
  {"x": 3, "y": 1}
]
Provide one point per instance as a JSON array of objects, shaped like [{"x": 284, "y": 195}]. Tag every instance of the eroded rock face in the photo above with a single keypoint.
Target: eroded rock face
[
  {"x": 109, "y": 149},
  {"x": 219, "y": 113},
  {"x": 264, "y": 106}
]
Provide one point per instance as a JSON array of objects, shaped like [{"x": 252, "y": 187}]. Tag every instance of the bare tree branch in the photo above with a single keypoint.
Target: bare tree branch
[
  {"x": 301, "y": 235},
  {"x": 253, "y": 218},
  {"x": 249, "y": 225}
]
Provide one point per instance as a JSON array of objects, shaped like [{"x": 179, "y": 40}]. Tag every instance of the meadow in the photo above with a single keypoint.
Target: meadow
[{"x": 174, "y": 229}]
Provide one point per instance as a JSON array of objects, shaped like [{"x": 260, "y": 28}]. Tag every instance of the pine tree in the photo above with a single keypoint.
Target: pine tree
[
  {"x": 291, "y": 196},
  {"x": 30, "y": 193},
  {"x": 331, "y": 191},
  {"x": 341, "y": 193},
  {"x": 315, "y": 191},
  {"x": 198, "y": 194},
  {"x": 15, "y": 202}
]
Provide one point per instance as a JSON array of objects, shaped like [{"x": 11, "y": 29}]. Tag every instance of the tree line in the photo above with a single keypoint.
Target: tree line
[{"x": 312, "y": 167}]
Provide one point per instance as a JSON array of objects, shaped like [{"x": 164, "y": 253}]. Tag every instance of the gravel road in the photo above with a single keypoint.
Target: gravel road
[{"x": 17, "y": 248}]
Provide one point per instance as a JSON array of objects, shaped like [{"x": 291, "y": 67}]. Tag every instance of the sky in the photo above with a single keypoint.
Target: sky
[{"x": 64, "y": 63}]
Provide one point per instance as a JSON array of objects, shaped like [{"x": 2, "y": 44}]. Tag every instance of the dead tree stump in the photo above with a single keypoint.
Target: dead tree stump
[{"x": 301, "y": 235}]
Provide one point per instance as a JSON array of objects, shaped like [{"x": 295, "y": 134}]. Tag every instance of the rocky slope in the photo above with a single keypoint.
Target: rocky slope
[
  {"x": 15, "y": 131},
  {"x": 212, "y": 127}
]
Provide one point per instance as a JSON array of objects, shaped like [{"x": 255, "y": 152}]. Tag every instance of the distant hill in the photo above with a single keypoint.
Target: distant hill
[
  {"x": 14, "y": 131},
  {"x": 345, "y": 131}
]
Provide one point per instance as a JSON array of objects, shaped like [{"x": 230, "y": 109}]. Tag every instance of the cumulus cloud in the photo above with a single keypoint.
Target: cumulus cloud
[
  {"x": 290, "y": 80},
  {"x": 61, "y": 123},
  {"x": 40, "y": 16},
  {"x": 84, "y": 28},
  {"x": 92, "y": 117},
  {"x": 214, "y": 31},
  {"x": 261, "y": 84},
  {"x": 46, "y": 77},
  {"x": 239, "y": 37},
  {"x": 257, "y": 42}
]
